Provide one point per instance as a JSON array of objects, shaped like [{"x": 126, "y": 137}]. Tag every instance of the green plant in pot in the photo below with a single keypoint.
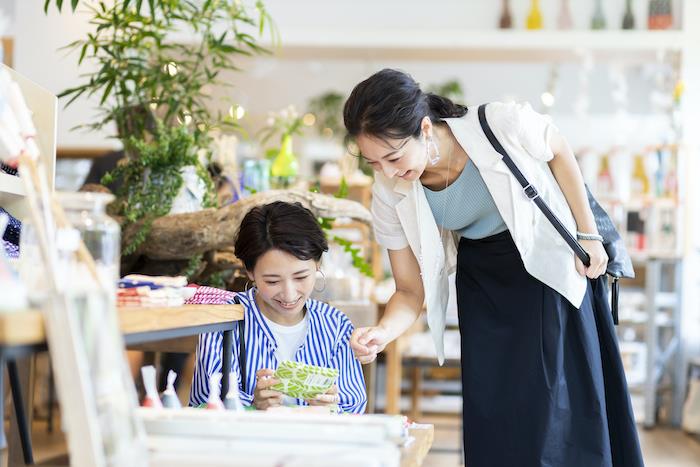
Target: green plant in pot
[
  {"x": 153, "y": 180},
  {"x": 157, "y": 63}
]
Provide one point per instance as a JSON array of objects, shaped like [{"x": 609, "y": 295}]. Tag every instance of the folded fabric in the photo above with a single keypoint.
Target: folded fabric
[
  {"x": 130, "y": 283},
  {"x": 205, "y": 295},
  {"x": 177, "y": 281},
  {"x": 11, "y": 250},
  {"x": 302, "y": 381},
  {"x": 14, "y": 227}
]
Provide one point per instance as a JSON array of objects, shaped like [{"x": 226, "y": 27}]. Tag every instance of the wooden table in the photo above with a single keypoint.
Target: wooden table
[
  {"x": 414, "y": 454},
  {"x": 22, "y": 333}
]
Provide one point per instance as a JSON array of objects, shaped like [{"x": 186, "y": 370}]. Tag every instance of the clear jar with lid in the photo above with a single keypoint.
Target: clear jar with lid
[{"x": 86, "y": 211}]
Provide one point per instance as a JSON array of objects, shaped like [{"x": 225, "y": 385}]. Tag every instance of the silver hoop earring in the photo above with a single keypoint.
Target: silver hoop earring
[
  {"x": 247, "y": 285},
  {"x": 324, "y": 282},
  {"x": 430, "y": 144}
]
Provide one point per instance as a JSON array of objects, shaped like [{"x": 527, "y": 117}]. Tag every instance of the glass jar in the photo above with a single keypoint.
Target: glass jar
[{"x": 86, "y": 212}]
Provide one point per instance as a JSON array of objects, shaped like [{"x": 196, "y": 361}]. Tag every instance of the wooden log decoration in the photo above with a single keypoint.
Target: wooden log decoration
[{"x": 181, "y": 236}]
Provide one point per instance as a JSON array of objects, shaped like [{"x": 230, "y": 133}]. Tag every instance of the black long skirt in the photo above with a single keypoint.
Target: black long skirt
[{"x": 542, "y": 382}]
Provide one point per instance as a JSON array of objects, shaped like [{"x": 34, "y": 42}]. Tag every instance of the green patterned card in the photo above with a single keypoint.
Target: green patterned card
[{"x": 303, "y": 381}]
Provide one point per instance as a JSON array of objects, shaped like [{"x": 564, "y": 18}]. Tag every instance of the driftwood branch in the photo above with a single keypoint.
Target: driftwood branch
[{"x": 181, "y": 236}]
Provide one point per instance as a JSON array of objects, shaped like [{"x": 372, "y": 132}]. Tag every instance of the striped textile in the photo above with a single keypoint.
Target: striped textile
[{"x": 326, "y": 344}]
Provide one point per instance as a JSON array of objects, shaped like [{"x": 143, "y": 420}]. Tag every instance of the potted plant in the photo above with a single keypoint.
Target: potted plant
[{"x": 154, "y": 86}]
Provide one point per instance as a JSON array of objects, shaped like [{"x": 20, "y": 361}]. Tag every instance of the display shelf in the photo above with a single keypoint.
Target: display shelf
[
  {"x": 27, "y": 327},
  {"x": 487, "y": 45},
  {"x": 44, "y": 109},
  {"x": 10, "y": 185}
]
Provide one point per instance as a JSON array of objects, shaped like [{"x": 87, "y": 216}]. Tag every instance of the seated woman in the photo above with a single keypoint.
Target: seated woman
[{"x": 281, "y": 245}]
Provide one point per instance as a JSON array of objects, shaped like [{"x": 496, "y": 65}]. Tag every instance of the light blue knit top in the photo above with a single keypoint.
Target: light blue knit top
[{"x": 466, "y": 206}]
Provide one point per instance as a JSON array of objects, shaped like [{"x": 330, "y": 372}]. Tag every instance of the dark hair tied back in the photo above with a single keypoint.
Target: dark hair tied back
[
  {"x": 442, "y": 107},
  {"x": 390, "y": 104}
]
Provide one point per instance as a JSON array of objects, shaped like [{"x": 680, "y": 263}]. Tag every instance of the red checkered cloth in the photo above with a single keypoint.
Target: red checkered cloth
[{"x": 205, "y": 295}]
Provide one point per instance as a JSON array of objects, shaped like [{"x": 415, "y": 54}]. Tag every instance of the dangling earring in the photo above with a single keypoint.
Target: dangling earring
[
  {"x": 430, "y": 144},
  {"x": 247, "y": 284},
  {"x": 324, "y": 282}
]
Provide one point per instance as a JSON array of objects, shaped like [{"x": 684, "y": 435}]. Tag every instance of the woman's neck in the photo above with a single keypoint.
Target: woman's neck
[{"x": 452, "y": 159}]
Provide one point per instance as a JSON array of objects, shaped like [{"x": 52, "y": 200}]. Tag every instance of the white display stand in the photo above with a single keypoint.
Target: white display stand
[{"x": 44, "y": 109}]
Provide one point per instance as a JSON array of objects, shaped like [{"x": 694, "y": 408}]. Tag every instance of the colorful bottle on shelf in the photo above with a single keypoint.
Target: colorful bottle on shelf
[
  {"x": 506, "y": 19},
  {"x": 605, "y": 181},
  {"x": 564, "y": 20},
  {"x": 285, "y": 166},
  {"x": 660, "y": 15},
  {"x": 598, "y": 20},
  {"x": 640, "y": 180},
  {"x": 628, "y": 18},
  {"x": 534, "y": 16}
]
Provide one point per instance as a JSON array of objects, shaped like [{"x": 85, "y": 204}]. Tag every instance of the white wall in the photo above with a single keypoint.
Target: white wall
[
  {"x": 38, "y": 38},
  {"x": 270, "y": 83}
]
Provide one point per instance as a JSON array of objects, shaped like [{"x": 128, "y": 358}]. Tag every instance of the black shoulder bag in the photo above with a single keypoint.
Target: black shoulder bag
[{"x": 619, "y": 262}]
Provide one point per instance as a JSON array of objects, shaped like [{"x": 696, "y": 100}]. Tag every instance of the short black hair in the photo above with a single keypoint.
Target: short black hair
[{"x": 288, "y": 227}]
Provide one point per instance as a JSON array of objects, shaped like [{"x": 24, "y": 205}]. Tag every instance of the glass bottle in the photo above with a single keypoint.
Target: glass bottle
[
  {"x": 605, "y": 181},
  {"x": 506, "y": 19},
  {"x": 628, "y": 18},
  {"x": 534, "y": 17},
  {"x": 640, "y": 180},
  {"x": 598, "y": 20},
  {"x": 101, "y": 234},
  {"x": 660, "y": 15},
  {"x": 564, "y": 21},
  {"x": 285, "y": 166}
]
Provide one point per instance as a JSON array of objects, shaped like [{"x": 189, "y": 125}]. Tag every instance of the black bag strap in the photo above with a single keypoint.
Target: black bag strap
[
  {"x": 531, "y": 191},
  {"x": 241, "y": 347}
]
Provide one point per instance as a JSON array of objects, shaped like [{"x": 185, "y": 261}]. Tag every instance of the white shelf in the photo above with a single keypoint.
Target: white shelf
[
  {"x": 43, "y": 105},
  {"x": 11, "y": 185},
  {"x": 489, "y": 45}
]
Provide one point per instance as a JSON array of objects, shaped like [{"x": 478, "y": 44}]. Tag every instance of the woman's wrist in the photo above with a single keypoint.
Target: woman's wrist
[{"x": 589, "y": 236}]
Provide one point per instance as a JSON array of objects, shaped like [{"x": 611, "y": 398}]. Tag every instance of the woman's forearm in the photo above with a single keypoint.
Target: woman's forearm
[
  {"x": 401, "y": 312},
  {"x": 568, "y": 175}
]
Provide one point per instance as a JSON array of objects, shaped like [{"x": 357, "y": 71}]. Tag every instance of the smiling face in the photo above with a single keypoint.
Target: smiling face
[
  {"x": 404, "y": 158},
  {"x": 284, "y": 283}
]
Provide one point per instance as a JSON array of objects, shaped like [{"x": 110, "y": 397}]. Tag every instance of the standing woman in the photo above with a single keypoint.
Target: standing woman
[{"x": 533, "y": 386}]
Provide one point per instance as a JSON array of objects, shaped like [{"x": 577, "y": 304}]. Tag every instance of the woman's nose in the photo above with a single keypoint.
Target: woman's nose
[
  {"x": 389, "y": 172},
  {"x": 289, "y": 290}
]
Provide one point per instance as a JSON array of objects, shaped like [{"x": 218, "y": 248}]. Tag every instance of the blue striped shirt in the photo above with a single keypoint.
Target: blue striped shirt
[{"x": 327, "y": 344}]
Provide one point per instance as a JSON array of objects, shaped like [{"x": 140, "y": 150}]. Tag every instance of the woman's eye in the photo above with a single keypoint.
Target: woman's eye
[
  {"x": 394, "y": 160},
  {"x": 302, "y": 278},
  {"x": 271, "y": 282}
]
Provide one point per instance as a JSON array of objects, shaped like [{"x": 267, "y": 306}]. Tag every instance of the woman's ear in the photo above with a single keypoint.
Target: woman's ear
[
  {"x": 426, "y": 128},
  {"x": 250, "y": 276}
]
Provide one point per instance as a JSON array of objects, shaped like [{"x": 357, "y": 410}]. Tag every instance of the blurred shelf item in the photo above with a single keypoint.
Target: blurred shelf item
[
  {"x": 82, "y": 153},
  {"x": 10, "y": 185},
  {"x": 485, "y": 45},
  {"x": 44, "y": 106}
]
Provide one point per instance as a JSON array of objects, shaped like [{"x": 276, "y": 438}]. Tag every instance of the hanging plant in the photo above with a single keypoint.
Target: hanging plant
[{"x": 151, "y": 181}]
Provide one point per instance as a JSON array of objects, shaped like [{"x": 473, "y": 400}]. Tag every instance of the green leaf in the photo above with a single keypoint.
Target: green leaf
[
  {"x": 74, "y": 4},
  {"x": 59, "y": 4},
  {"x": 82, "y": 53},
  {"x": 342, "y": 189},
  {"x": 107, "y": 90},
  {"x": 46, "y": 6}
]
